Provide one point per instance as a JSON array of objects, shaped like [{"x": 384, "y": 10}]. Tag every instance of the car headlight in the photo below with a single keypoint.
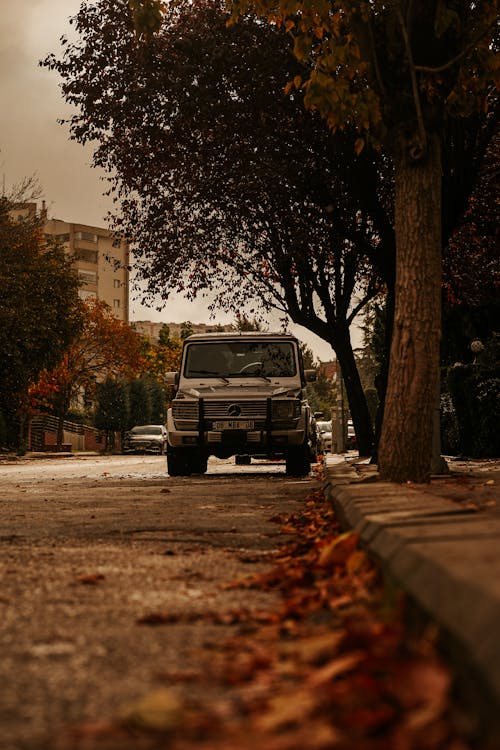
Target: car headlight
[{"x": 285, "y": 409}]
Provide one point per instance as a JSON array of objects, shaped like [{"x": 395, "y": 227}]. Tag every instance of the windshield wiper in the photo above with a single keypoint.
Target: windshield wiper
[
  {"x": 249, "y": 375},
  {"x": 209, "y": 372}
]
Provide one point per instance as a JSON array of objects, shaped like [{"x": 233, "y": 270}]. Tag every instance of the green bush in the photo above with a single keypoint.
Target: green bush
[
  {"x": 475, "y": 395},
  {"x": 450, "y": 433}
]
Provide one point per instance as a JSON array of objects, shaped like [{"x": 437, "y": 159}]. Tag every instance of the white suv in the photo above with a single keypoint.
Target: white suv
[{"x": 240, "y": 394}]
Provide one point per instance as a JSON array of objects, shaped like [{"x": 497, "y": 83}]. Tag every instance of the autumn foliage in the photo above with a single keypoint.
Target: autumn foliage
[{"x": 106, "y": 348}]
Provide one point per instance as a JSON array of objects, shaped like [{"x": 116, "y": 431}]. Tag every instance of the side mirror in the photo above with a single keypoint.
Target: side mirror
[
  {"x": 310, "y": 375},
  {"x": 172, "y": 378}
]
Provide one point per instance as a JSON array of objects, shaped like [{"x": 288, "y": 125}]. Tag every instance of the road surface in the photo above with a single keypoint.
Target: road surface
[{"x": 92, "y": 546}]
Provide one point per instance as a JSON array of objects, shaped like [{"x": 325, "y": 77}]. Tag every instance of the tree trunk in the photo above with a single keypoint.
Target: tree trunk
[
  {"x": 355, "y": 394},
  {"x": 405, "y": 449},
  {"x": 383, "y": 375}
]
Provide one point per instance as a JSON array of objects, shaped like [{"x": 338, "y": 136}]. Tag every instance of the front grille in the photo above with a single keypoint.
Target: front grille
[
  {"x": 248, "y": 409},
  {"x": 185, "y": 410}
]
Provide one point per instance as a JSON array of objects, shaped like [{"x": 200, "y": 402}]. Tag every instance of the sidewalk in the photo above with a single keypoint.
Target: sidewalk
[{"x": 444, "y": 552}]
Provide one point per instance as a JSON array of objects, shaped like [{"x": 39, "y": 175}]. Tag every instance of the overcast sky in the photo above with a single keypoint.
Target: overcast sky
[{"x": 33, "y": 143}]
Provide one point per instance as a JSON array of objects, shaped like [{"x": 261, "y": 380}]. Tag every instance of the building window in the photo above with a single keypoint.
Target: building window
[
  {"x": 88, "y": 256},
  {"x": 86, "y": 236},
  {"x": 116, "y": 303},
  {"x": 86, "y": 295},
  {"x": 88, "y": 277},
  {"x": 117, "y": 283}
]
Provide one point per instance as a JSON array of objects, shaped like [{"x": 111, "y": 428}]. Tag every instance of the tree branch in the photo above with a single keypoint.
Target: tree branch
[
  {"x": 457, "y": 58},
  {"x": 416, "y": 153}
]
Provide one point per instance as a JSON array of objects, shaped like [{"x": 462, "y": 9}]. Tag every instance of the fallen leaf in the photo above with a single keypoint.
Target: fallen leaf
[
  {"x": 333, "y": 669},
  {"x": 159, "y": 711},
  {"x": 287, "y": 709},
  {"x": 337, "y": 549},
  {"x": 356, "y": 562},
  {"x": 315, "y": 648}
]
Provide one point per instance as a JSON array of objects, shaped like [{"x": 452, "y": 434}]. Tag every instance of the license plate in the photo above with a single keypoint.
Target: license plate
[{"x": 234, "y": 424}]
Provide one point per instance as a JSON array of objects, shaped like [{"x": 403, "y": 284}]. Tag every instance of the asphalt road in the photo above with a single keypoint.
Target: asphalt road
[{"x": 89, "y": 547}]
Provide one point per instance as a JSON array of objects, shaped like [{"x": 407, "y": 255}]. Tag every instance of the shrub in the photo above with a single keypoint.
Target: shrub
[{"x": 475, "y": 394}]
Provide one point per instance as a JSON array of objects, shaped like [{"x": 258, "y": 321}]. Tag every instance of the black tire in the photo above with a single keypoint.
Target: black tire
[
  {"x": 177, "y": 462},
  {"x": 298, "y": 463},
  {"x": 182, "y": 462},
  {"x": 197, "y": 462},
  {"x": 242, "y": 460}
]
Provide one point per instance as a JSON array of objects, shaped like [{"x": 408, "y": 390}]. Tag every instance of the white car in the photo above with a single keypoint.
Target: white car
[
  {"x": 351, "y": 442},
  {"x": 325, "y": 433}
]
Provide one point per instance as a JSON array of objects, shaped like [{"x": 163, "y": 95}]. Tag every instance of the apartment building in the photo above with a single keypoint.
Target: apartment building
[
  {"x": 152, "y": 329},
  {"x": 101, "y": 262}
]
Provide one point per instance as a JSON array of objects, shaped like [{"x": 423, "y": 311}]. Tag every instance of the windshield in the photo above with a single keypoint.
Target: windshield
[
  {"x": 225, "y": 359},
  {"x": 324, "y": 426},
  {"x": 146, "y": 430}
]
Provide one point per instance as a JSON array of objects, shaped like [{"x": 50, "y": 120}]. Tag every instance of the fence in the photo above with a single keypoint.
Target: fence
[{"x": 76, "y": 437}]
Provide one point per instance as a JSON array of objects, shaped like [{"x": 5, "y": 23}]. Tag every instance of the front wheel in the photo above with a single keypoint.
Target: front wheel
[
  {"x": 177, "y": 465},
  {"x": 182, "y": 462},
  {"x": 197, "y": 462},
  {"x": 298, "y": 463},
  {"x": 242, "y": 460}
]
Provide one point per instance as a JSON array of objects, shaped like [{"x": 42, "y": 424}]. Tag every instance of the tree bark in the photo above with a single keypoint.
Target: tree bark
[{"x": 405, "y": 450}]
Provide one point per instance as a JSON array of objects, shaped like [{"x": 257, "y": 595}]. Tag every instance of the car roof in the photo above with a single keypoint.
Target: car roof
[{"x": 230, "y": 336}]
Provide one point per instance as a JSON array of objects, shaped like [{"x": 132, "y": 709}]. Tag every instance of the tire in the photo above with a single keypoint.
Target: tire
[
  {"x": 242, "y": 460},
  {"x": 182, "y": 462},
  {"x": 177, "y": 462},
  {"x": 197, "y": 462},
  {"x": 298, "y": 462}
]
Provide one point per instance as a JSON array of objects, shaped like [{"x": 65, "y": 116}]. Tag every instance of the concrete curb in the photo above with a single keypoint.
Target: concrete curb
[{"x": 442, "y": 554}]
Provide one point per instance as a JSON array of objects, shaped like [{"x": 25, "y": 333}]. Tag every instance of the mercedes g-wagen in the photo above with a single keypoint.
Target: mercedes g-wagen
[{"x": 240, "y": 394}]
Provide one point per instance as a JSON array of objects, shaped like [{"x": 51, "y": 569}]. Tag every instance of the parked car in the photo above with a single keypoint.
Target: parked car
[
  {"x": 325, "y": 435},
  {"x": 351, "y": 442},
  {"x": 240, "y": 394},
  {"x": 146, "y": 438}
]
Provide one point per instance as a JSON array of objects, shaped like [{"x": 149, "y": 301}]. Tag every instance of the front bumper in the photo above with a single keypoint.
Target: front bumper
[
  {"x": 143, "y": 448},
  {"x": 252, "y": 441}
]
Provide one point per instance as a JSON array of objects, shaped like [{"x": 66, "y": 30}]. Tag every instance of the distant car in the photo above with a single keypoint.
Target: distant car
[
  {"x": 146, "y": 438},
  {"x": 325, "y": 435},
  {"x": 351, "y": 442}
]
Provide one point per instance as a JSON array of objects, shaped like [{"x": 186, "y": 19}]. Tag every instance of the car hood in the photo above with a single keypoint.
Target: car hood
[
  {"x": 245, "y": 390},
  {"x": 146, "y": 436}
]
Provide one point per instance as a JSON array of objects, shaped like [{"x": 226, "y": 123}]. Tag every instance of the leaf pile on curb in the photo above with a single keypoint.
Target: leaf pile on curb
[{"x": 335, "y": 666}]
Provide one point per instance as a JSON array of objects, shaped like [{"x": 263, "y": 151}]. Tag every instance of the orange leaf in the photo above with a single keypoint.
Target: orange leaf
[
  {"x": 359, "y": 145},
  {"x": 335, "y": 668},
  {"x": 338, "y": 549}
]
